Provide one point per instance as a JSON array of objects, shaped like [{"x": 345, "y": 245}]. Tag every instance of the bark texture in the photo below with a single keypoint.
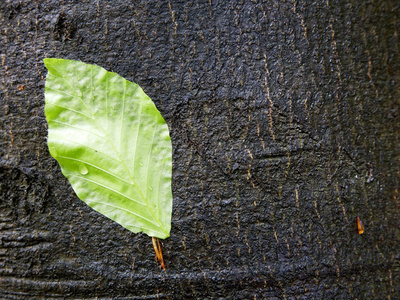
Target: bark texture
[{"x": 285, "y": 126}]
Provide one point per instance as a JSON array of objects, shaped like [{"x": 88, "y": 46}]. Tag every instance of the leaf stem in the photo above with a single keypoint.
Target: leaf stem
[{"x": 158, "y": 250}]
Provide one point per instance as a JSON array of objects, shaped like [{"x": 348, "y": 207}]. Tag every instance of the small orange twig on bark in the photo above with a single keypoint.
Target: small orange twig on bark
[{"x": 360, "y": 226}]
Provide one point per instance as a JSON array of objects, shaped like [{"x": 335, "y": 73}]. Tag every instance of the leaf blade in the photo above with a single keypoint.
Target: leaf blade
[{"x": 92, "y": 115}]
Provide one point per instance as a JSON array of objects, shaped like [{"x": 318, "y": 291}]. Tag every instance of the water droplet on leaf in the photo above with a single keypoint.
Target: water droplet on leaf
[
  {"x": 140, "y": 164},
  {"x": 150, "y": 188},
  {"x": 83, "y": 169}
]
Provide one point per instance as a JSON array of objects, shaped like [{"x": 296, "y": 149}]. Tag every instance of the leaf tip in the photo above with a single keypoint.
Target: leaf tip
[
  {"x": 47, "y": 61},
  {"x": 49, "y": 64}
]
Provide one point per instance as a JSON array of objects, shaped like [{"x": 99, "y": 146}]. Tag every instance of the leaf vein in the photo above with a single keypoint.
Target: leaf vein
[
  {"x": 108, "y": 188},
  {"x": 79, "y": 128},
  {"x": 70, "y": 109},
  {"x": 94, "y": 166},
  {"x": 122, "y": 118},
  {"x": 127, "y": 210},
  {"x": 136, "y": 137},
  {"x": 86, "y": 146},
  {"x": 60, "y": 91}
]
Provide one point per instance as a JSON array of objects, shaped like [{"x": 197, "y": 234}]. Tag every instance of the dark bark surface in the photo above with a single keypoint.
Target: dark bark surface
[{"x": 285, "y": 126}]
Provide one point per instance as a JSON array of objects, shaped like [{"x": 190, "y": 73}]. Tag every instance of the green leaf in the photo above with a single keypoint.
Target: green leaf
[{"x": 112, "y": 144}]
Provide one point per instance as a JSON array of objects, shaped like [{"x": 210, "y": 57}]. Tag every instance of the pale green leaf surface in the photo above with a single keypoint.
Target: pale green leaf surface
[{"x": 112, "y": 144}]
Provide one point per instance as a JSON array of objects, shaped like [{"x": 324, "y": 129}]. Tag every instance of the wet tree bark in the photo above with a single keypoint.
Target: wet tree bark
[{"x": 285, "y": 123}]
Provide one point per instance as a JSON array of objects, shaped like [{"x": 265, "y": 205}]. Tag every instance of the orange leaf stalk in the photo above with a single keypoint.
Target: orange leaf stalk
[{"x": 158, "y": 250}]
